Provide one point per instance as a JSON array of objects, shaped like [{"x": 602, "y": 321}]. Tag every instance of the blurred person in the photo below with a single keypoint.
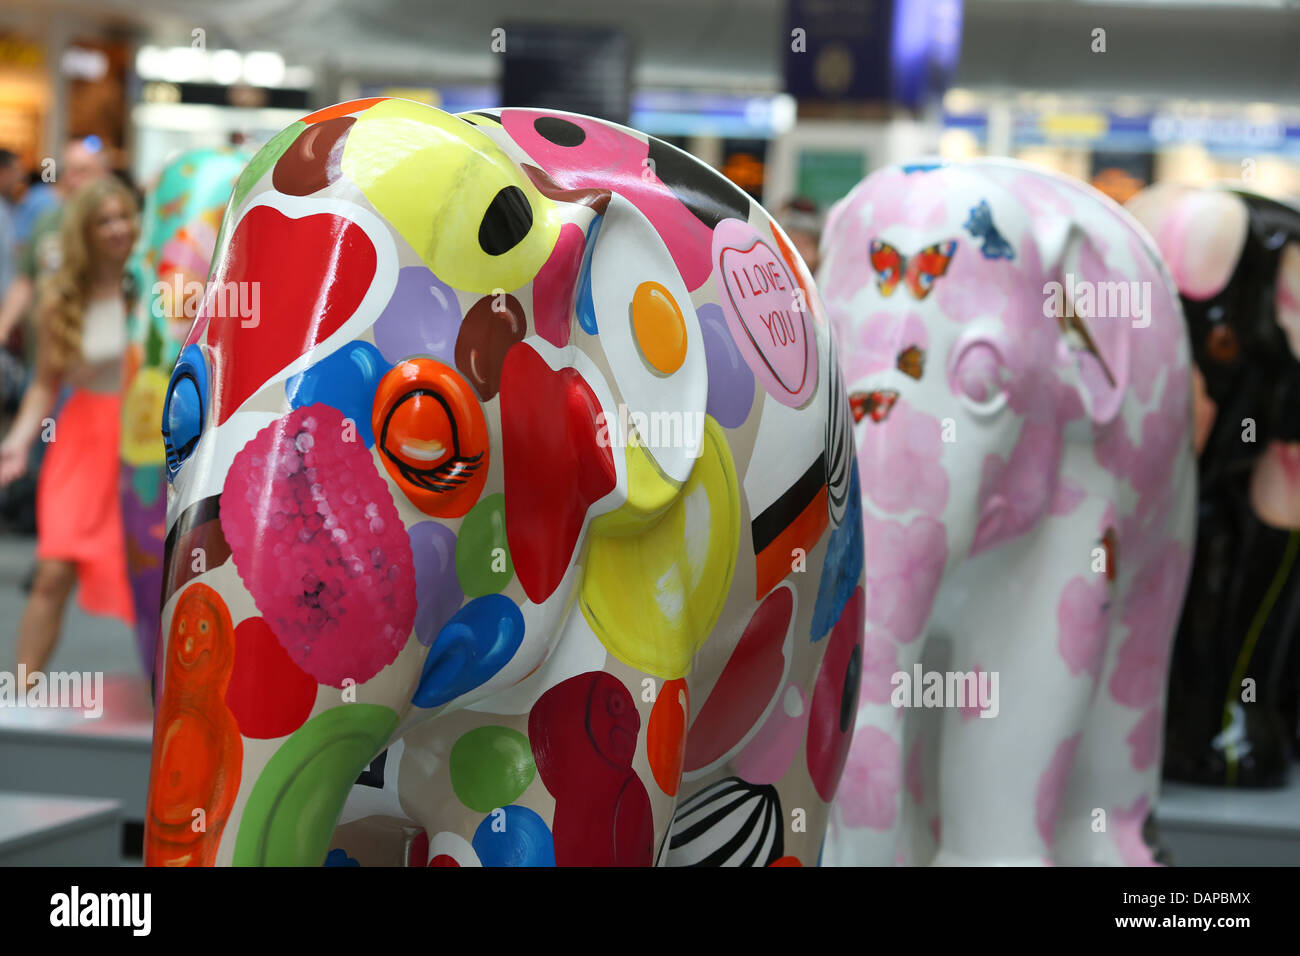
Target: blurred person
[
  {"x": 126, "y": 179},
  {"x": 802, "y": 222},
  {"x": 81, "y": 321},
  {"x": 83, "y": 161},
  {"x": 10, "y": 176},
  {"x": 37, "y": 199},
  {"x": 12, "y": 373}
]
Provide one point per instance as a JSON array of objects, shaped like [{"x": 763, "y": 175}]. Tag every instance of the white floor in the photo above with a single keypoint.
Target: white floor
[
  {"x": 89, "y": 643},
  {"x": 1199, "y": 826}
]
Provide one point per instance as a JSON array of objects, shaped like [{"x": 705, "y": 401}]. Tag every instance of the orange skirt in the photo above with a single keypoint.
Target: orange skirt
[{"x": 78, "y": 509}]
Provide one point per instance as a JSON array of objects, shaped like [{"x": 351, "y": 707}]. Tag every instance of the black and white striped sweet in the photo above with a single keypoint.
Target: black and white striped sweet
[
  {"x": 839, "y": 444},
  {"x": 730, "y": 823}
]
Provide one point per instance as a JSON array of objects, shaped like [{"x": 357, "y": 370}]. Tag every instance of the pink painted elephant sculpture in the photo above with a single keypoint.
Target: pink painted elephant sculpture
[{"x": 1017, "y": 365}]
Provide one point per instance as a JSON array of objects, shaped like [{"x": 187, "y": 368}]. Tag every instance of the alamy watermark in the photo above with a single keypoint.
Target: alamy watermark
[
  {"x": 132, "y": 911},
  {"x": 650, "y": 429},
  {"x": 241, "y": 300},
  {"x": 1099, "y": 300},
  {"x": 970, "y": 690},
  {"x": 74, "y": 690}
]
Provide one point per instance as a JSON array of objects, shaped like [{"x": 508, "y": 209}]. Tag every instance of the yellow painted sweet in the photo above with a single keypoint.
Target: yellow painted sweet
[
  {"x": 461, "y": 203},
  {"x": 658, "y": 327},
  {"x": 649, "y": 494},
  {"x": 653, "y": 598},
  {"x": 142, "y": 410}
]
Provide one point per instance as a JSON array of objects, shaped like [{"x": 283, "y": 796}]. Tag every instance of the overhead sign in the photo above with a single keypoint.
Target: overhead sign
[
  {"x": 1142, "y": 132},
  {"x": 900, "y": 52},
  {"x": 579, "y": 69}
]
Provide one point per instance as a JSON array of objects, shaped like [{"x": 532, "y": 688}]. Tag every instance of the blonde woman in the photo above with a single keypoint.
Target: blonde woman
[{"x": 81, "y": 342}]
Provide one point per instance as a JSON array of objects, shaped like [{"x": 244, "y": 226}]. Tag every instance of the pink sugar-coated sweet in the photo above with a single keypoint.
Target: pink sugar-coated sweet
[{"x": 319, "y": 544}]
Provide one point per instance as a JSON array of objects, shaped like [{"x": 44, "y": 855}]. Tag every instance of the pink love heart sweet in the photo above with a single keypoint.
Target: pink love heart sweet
[{"x": 766, "y": 315}]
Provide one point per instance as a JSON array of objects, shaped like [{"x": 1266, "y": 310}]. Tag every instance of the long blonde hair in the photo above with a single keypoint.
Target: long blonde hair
[{"x": 67, "y": 290}]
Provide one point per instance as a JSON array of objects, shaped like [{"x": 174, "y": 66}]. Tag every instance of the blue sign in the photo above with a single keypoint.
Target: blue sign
[
  {"x": 1228, "y": 134},
  {"x": 658, "y": 112},
  {"x": 901, "y": 52}
]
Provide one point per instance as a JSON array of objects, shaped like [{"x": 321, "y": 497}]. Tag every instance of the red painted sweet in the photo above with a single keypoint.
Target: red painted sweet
[
  {"x": 342, "y": 109},
  {"x": 665, "y": 738},
  {"x": 418, "y": 853},
  {"x": 269, "y": 694},
  {"x": 555, "y": 467},
  {"x": 747, "y": 684},
  {"x": 835, "y": 699},
  {"x": 583, "y": 733},
  {"x": 305, "y": 276},
  {"x": 556, "y": 285}
]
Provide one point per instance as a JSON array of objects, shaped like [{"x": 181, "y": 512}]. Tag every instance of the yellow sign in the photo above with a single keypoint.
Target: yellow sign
[
  {"x": 15, "y": 51},
  {"x": 1075, "y": 125},
  {"x": 421, "y": 94}
]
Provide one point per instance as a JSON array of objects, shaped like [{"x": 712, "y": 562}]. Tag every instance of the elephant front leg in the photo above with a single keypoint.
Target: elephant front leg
[
  {"x": 868, "y": 816},
  {"x": 1004, "y": 766},
  {"x": 570, "y": 781}
]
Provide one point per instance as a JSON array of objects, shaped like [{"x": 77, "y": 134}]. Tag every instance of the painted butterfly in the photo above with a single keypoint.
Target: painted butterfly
[
  {"x": 919, "y": 271},
  {"x": 993, "y": 245},
  {"x": 911, "y": 361},
  {"x": 876, "y": 404}
]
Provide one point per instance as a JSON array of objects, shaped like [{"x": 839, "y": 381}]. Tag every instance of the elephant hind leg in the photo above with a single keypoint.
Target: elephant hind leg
[{"x": 1115, "y": 780}]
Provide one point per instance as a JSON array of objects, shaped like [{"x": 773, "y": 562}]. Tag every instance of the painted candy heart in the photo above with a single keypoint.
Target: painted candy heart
[
  {"x": 549, "y": 484},
  {"x": 767, "y": 316},
  {"x": 283, "y": 286}
]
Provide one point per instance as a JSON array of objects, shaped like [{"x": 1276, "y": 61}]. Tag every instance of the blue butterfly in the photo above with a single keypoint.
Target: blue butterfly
[{"x": 980, "y": 225}]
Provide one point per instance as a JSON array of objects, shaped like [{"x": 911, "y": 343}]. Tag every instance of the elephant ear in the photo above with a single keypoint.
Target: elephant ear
[
  {"x": 1288, "y": 295},
  {"x": 659, "y": 567},
  {"x": 633, "y": 299},
  {"x": 1095, "y": 309},
  {"x": 1200, "y": 234}
]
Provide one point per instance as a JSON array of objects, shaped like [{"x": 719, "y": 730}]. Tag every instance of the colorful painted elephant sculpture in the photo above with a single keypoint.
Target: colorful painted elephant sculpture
[
  {"x": 1021, "y": 381},
  {"x": 1236, "y": 669},
  {"x": 535, "y": 462},
  {"x": 169, "y": 267}
]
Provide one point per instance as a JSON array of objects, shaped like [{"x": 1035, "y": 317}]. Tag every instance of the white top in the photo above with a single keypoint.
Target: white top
[{"x": 103, "y": 346}]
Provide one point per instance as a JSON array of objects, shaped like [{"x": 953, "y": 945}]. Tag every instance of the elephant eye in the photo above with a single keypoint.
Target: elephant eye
[
  {"x": 1222, "y": 344},
  {"x": 184, "y": 409},
  {"x": 431, "y": 435},
  {"x": 978, "y": 377}
]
